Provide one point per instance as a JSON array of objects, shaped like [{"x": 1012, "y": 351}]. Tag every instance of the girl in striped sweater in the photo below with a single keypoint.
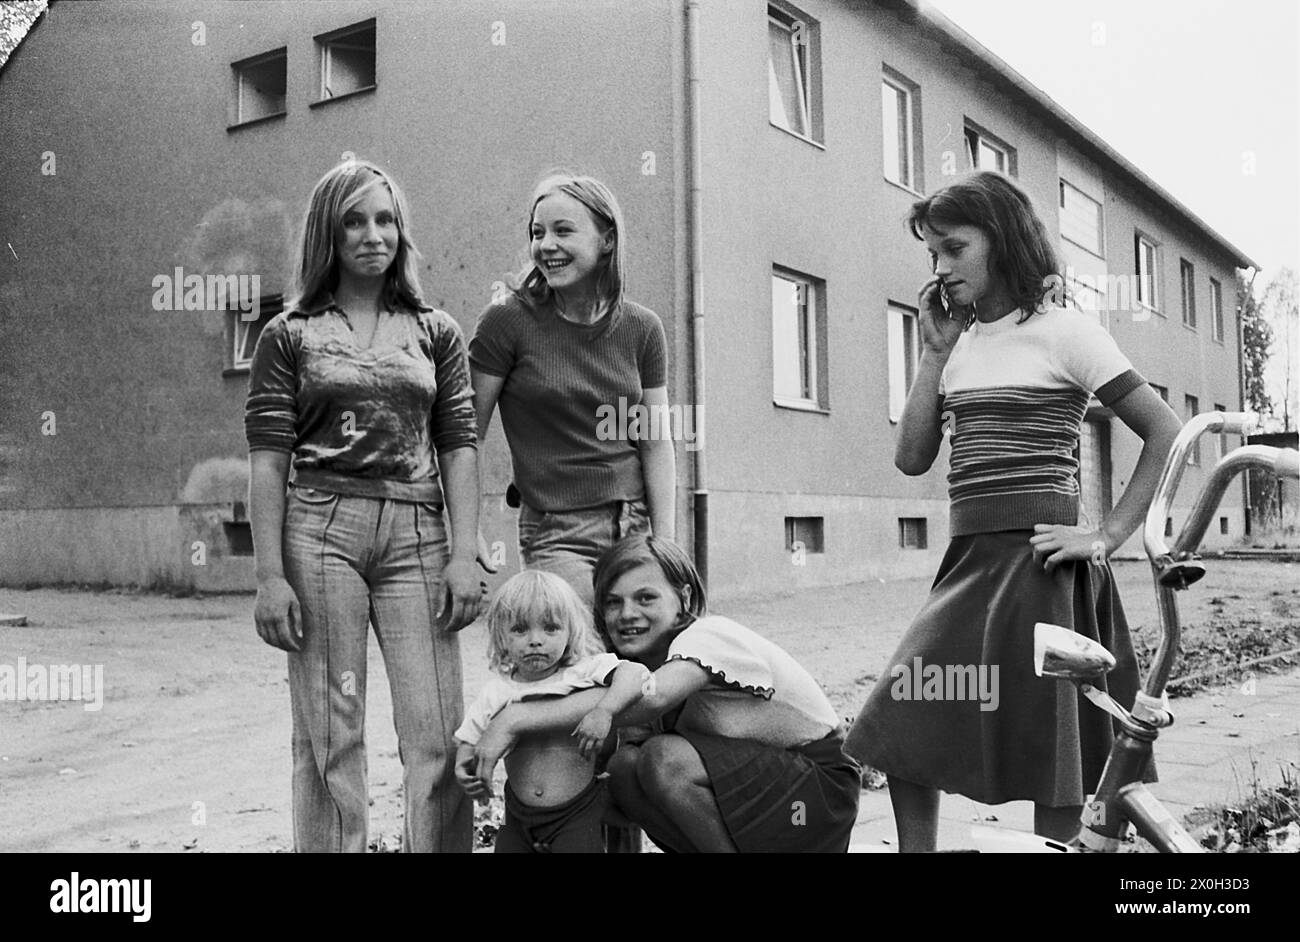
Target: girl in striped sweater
[{"x": 1011, "y": 374}]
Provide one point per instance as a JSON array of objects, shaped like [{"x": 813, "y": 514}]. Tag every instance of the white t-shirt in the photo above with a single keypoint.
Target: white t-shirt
[{"x": 758, "y": 691}]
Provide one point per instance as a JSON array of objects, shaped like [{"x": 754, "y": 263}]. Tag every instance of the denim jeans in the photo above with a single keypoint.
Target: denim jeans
[
  {"x": 354, "y": 561},
  {"x": 569, "y": 542}
]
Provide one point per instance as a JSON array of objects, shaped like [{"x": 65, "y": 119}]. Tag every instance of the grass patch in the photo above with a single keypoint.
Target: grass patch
[
  {"x": 1265, "y": 821},
  {"x": 1228, "y": 642}
]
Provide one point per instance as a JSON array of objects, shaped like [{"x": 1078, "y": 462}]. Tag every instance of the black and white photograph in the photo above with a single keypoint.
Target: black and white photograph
[{"x": 651, "y": 426}]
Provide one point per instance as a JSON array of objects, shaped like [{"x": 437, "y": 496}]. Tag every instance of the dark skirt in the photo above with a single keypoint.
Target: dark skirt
[
  {"x": 799, "y": 800},
  {"x": 1018, "y": 736}
]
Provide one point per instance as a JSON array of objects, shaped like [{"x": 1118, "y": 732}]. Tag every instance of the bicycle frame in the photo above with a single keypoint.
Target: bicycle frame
[{"x": 1121, "y": 797}]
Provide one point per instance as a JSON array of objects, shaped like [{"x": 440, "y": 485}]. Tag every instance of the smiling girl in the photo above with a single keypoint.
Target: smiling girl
[
  {"x": 1015, "y": 376},
  {"x": 552, "y": 352}
]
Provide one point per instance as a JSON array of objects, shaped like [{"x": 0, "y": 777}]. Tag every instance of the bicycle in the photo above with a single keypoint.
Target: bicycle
[{"x": 1121, "y": 798}]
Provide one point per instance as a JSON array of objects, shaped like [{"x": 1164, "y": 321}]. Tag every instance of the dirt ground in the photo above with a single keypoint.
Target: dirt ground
[{"x": 190, "y": 750}]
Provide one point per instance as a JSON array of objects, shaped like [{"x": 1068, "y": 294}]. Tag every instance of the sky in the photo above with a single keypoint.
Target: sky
[{"x": 1201, "y": 95}]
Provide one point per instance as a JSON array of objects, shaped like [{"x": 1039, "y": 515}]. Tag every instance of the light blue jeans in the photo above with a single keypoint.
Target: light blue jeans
[
  {"x": 569, "y": 542},
  {"x": 354, "y": 561}
]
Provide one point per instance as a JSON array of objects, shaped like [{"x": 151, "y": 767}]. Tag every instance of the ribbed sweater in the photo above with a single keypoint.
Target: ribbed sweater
[
  {"x": 558, "y": 375},
  {"x": 1015, "y": 395}
]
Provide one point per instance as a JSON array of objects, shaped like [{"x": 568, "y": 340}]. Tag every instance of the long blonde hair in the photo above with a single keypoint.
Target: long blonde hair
[
  {"x": 334, "y": 194},
  {"x": 532, "y": 596},
  {"x": 530, "y": 283}
]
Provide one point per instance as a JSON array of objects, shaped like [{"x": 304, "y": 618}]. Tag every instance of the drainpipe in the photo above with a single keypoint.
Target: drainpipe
[
  {"x": 1241, "y": 395},
  {"x": 696, "y": 274}
]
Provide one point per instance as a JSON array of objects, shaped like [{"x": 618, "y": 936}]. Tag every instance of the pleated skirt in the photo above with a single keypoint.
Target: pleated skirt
[{"x": 959, "y": 708}]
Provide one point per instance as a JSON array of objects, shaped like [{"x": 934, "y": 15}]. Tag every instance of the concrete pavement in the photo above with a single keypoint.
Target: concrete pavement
[{"x": 1223, "y": 740}]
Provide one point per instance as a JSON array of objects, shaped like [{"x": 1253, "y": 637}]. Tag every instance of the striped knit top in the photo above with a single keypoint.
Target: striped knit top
[
  {"x": 559, "y": 378},
  {"x": 1014, "y": 396}
]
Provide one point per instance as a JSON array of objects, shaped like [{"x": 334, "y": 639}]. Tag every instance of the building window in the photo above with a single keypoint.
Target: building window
[
  {"x": 1080, "y": 218},
  {"x": 1162, "y": 392},
  {"x": 1192, "y": 406},
  {"x": 911, "y": 532},
  {"x": 242, "y": 334},
  {"x": 904, "y": 354},
  {"x": 347, "y": 60},
  {"x": 1223, "y": 526},
  {"x": 1085, "y": 296},
  {"x": 798, "y": 340},
  {"x": 899, "y": 120},
  {"x": 805, "y": 534},
  {"x": 794, "y": 79},
  {"x": 239, "y": 537},
  {"x": 1216, "y": 310},
  {"x": 1187, "y": 275},
  {"x": 1147, "y": 272},
  {"x": 986, "y": 152},
  {"x": 1223, "y": 439},
  {"x": 260, "y": 84}
]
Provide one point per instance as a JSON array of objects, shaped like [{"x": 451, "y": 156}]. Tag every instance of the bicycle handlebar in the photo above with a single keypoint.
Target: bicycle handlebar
[
  {"x": 1224, "y": 423},
  {"x": 1278, "y": 460},
  {"x": 1177, "y": 569}
]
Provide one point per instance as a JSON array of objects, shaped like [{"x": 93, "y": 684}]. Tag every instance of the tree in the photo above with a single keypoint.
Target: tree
[
  {"x": 1280, "y": 306},
  {"x": 1256, "y": 338}
]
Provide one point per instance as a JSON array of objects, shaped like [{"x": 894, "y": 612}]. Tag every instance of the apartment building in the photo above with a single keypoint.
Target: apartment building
[{"x": 765, "y": 154}]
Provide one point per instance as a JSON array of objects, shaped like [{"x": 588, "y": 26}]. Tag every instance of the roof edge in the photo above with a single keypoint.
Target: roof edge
[
  {"x": 30, "y": 29},
  {"x": 930, "y": 16}
]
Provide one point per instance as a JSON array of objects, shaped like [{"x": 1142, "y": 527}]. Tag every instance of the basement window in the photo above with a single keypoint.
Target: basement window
[
  {"x": 911, "y": 533},
  {"x": 808, "y": 532}
]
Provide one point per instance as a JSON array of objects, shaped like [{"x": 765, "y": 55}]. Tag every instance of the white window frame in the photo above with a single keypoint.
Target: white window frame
[
  {"x": 903, "y": 325},
  {"x": 807, "y": 312},
  {"x": 1223, "y": 439},
  {"x": 1148, "y": 272},
  {"x": 804, "y": 69},
  {"x": 1216, "y": 309},
  {"x": 326, "y": 43},
  {"x": 1097, "y": 306},
  {"x": 908, "y": 178},
  {"x": 986, "y": 141},
  {"x": 1187, "y": 292},
  {"x": 1192, "y": 406},
  {"x": 1071, "y": 193}
]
